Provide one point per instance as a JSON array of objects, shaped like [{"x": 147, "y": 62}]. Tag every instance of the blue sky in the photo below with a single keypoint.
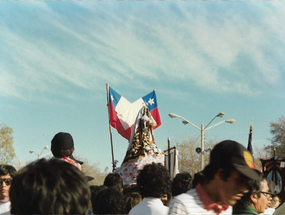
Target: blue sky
[{"x": 201, "y": 57}]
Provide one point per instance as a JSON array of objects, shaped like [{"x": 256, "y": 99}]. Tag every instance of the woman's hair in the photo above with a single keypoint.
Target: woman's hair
[{"x": 132, "y": 199}]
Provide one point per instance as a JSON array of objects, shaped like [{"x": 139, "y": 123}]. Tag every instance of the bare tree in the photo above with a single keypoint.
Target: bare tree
[
  {"x": 7, "y": 151},
  {"x": 277, "y": 129},
  {"x": 189, "y": 159},
  {"x": 260, "y": 153},
  {"x": 92, "y": 170}
]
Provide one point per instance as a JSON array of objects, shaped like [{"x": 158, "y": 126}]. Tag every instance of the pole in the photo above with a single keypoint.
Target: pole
[
  {"x": 169, "y": 156},
  {"x": 110, "y": 129},
  {"x": 202, "y": 147}
]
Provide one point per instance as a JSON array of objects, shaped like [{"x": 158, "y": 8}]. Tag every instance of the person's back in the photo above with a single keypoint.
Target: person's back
[
  {"x": 149, "y": 205},
  {"x": 49, "y": 187}
]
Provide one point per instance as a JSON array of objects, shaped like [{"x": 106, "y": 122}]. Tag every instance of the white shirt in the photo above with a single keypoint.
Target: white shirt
[
  {"x": 268, "y": 211},
  {"x": 5, "y": 208},
  {"x": 149, "y": 206},
  {"x": 190, "y": 203}
]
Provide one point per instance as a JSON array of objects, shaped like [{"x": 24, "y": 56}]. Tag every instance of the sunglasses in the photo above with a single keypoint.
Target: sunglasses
[{"x": 7, "y": 181}]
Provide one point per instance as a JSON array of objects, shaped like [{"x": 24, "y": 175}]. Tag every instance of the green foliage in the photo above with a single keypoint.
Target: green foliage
[{"x": 7, "y": 152}]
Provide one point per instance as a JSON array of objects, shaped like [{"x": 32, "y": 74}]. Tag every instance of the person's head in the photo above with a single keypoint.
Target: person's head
[
  {"x": 49, "y": 187},
  {"x": 181, "y": 183},
  {"x": 95, "y": 189},
  {"x": 132, "y": 199},
  {"x": 275, "y": 201},
  {"x": 258, "y": 196},
  {"x": 114, "y": 180},
  {"x": 109, "y": 201},
  {"x": 62, "y": 145},
  {"x": 153, "y": 180},
  {"x": 7, "y": 173},
  {"x": 231, "y": 167}
]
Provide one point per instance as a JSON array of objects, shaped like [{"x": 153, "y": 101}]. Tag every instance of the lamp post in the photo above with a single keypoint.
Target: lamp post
[
  {"x": 38, "y": 154},
  {"x": 202, "y": 130}
]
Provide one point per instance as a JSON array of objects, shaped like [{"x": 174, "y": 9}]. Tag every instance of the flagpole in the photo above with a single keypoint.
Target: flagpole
[
  {"x": 249, "y": 145},
  {"x": 169, "y": 156},
  {"x": 110, "y": 129}
]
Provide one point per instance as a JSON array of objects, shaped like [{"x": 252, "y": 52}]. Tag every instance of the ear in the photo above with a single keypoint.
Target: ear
[
  {"x": 254, "y": 197},
  {"x": 219, "y": 175}
]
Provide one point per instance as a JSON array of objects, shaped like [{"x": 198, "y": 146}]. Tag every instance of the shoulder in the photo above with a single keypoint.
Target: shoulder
[
  {"x": 186, "y": 203},
  {"x": 149, "y": 206}
]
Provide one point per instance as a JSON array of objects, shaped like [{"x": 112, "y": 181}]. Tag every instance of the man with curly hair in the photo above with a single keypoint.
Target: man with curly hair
[{"x": 153, "y": 182}]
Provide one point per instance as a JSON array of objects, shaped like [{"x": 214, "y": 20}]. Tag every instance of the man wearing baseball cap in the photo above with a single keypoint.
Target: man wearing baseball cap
[{"x": 221, "y": 184}]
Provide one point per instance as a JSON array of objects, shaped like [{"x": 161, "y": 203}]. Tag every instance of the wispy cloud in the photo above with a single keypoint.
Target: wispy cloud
[{"x": 91, "y": 44}]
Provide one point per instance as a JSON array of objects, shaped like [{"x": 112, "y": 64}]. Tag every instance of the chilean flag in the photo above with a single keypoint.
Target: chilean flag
[{"x": 123, "y": 113}]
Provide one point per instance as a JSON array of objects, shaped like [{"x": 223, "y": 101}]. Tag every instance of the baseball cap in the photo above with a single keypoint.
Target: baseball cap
[
  {"x": 62, "y": 140},
  {"x": 229, "y": 153}
]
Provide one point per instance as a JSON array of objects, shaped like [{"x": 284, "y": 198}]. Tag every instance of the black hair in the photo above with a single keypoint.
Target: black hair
[
  {"x": 95, "y": 189},
  {"x": 181, "y": 183},
  {"x": 49, "y": 187},
  {"x": 60, "y": 153},
  {"x": 210, "y": 171},
  {"x": 130, "y": 189},
  {"x": 7, "y": 169},
  {"x": 114, "y": 180},
  {"x": 153, "y": 181},
  {"x": 109, "y": 201}
]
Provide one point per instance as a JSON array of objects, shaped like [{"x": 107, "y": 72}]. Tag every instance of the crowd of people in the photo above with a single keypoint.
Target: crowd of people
[{"x": 229, "y": 184}]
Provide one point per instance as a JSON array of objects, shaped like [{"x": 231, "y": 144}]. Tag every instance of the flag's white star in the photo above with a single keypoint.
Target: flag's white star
[
  {"x": 150, "y": 101},
  {"x": 112, "y": 98}
]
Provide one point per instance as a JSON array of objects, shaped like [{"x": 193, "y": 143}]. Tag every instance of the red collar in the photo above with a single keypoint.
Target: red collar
[{"x": 208, "y": 202}]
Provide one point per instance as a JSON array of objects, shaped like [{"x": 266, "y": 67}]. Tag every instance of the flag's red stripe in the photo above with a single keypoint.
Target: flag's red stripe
[
  {"x": 115, "y": 122},
  {"x": 155, "y": 114}
]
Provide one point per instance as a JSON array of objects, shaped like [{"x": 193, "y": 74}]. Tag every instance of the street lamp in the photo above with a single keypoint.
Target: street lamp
[
  {"x": 202, "y": 130},
  {"x": 38, "y": 154}
]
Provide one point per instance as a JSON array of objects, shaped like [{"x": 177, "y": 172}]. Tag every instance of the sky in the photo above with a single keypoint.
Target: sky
[{"x": 202, "y": 57}]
